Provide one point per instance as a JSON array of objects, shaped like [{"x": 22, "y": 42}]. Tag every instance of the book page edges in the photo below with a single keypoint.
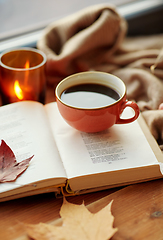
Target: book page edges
[
  {"x": 96, "y": 189},
  {"x": 118, "y": 178},
  {"x": 57, "y": 190},
  {"x": 65, "y": 189},
  {"x": 40, "y": 187}
]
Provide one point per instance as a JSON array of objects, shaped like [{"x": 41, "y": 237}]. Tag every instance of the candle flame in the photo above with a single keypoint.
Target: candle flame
[
  {"x": 27, "y": 64},
  {"x": 18, "y": 90}
]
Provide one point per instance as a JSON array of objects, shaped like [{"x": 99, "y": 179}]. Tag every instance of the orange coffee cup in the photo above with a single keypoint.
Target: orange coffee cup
[{"x": 85, "y": 103}]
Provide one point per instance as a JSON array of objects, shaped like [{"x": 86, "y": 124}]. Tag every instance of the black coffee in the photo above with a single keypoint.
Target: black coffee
[{"x": 89, "y": 96}]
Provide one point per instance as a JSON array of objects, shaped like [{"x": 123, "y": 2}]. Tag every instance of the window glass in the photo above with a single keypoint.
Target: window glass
[{"x": 20, "y": 16}]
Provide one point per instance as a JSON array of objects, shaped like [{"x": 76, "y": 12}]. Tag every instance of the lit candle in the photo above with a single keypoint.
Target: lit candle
[{"x": 22, "y": 75}]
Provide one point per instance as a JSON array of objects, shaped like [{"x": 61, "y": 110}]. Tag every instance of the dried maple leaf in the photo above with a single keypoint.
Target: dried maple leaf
[
  {"x": 9, "y": 168},
  {"x": 78, "y": 223}
]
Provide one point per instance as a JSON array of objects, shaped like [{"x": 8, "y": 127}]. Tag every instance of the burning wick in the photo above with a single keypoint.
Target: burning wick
[
  {"x": 17, "y": 88},
  {"x": 18, "y": 91}
]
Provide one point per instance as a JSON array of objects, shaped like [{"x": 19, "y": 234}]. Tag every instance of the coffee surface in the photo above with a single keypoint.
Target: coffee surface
[{"x": 89, "y": 96}]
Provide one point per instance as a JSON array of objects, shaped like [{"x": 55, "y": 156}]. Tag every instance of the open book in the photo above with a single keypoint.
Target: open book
[{"x": 72, "y": 162}]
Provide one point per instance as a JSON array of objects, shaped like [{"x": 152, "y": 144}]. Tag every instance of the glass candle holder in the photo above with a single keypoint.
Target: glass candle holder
[{"x": 22, "y": 75}]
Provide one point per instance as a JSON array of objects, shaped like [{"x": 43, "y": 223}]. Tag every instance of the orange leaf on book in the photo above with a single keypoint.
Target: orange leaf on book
[
  {"x": 10, "y": 169},
  {"x": 78, "y": 223}
]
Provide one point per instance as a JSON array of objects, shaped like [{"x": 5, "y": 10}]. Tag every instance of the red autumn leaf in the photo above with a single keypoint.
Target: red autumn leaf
[{"x": 9, "y": 168}]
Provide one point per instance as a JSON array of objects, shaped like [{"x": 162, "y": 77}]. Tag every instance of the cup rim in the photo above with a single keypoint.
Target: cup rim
[
  {"x": 90, "y": 73},
  {"x": 23, "y": 49}
]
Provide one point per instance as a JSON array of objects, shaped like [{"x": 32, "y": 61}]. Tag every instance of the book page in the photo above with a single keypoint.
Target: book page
[
  {"x": 120, "y": 147},
  {"x": 24, "y": 127}
]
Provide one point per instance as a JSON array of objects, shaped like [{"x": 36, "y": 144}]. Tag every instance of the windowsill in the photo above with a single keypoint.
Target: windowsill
[{"x": 148, "y": 13}]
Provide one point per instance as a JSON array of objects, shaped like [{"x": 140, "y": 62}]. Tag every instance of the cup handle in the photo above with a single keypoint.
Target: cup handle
[{"x": 135, "y": 107}]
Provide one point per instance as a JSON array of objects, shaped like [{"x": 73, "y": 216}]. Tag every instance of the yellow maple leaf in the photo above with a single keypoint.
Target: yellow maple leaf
[{"x": 78, "y": 223}]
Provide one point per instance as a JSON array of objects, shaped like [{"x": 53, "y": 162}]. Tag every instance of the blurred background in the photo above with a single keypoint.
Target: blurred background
[
  {"x": 17, "y": 16},
  {"x": 22, "y": 21}
]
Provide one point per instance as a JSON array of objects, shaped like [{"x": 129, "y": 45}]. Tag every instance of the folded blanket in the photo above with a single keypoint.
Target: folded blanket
[
  {"x": 95, "y": 39},
  {"x": 80, "y": 41}
]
